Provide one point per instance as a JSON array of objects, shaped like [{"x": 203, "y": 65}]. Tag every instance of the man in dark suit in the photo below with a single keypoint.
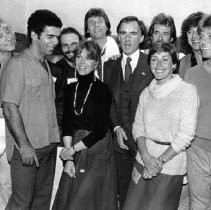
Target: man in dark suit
[
  {"x": 64, "y": 70},
  {"x": 126, "y": 77}
]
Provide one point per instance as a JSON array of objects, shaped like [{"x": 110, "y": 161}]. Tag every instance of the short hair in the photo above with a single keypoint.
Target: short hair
[
  {"x": 71, "y": 30},
  {"x": 165, "y": 20},
  {"x": 190, "y": 22},
  {"x": 39, "y": 20},
  {"x": 141, "y": 25},
  {"x": 159, "y": 47},
  {"x": 93, "y": 49},
  {"x": 205, "y": 22},
  {"x": 96, "y": 12}
]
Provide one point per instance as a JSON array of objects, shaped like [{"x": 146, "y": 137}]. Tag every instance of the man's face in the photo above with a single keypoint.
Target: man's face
[
  {"x": 130, "y": 37},
  {"x": 193, "y": 38},
  {"x": 205, "y": 42},
  {"x": 161, "y": 33},
  {"x": 97, "y": 27},
  {"x": 68, "y": 43},
  {"x": 47, "y": 40},
  {"x": 7, "y": 38}
]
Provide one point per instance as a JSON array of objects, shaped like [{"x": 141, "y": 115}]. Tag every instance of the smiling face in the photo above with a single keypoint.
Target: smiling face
[
  {"x": 97, "y": 27},
  {"x": 161, "y": 33},
  {"x": 7, "y": 38},
  {"x": 84, "y": 64},
  {"x": 47, "y": 40},
  {"x": 68, "y": 43},
  {"x": 130, "y": 37},
  {"x": 193, "y": 38},
  {"x": 205, "y": 42},
  {"x": 162, "y": 67}
]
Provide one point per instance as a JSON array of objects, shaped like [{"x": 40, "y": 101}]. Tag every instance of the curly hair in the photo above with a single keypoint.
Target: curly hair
[
  {"x": 162, "y": 19},
  {"x": 39, "y": 20},
  {"x": 96, "y": 12},
  {"x": 190, "y": 22}
]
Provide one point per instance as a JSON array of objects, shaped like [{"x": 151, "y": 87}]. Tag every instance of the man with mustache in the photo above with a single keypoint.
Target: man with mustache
[
  {"x": 65, "y": 74},
  {"x": 127, "y": 76}
]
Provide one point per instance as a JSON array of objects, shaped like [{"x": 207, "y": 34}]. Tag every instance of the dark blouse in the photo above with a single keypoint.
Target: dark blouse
[{"x": 95, "y": 115}]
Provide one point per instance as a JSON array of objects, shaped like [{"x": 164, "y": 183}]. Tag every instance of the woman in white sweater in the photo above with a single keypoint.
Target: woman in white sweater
[{"x": 164, "y": 127}]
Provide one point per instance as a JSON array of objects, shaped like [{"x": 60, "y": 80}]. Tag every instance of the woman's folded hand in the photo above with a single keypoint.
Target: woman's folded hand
[{"x": 66, "y": 154}]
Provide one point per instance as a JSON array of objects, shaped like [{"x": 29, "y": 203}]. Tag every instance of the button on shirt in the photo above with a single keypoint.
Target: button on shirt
[
  {"x": 28, "y": 85},
  {"x": 134, "y": 61}
]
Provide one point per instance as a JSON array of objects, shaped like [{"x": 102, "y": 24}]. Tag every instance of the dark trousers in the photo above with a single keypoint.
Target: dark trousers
[
  {"x": 124, "y": 164},
  {"x": 32, "y": 186}
]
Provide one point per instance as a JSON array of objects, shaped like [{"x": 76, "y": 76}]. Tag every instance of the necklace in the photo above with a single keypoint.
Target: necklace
[{"x": 75, "y": 98}]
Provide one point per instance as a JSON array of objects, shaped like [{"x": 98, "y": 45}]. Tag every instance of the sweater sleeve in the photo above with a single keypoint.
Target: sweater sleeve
[
  {"x": 102, "y": 118},
  {"x": 138, "y": 125},
  {"x": 187, "y": 127}
]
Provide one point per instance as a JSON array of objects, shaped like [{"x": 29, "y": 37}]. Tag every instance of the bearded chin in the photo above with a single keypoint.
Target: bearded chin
[{"x": 71, "y": 59}]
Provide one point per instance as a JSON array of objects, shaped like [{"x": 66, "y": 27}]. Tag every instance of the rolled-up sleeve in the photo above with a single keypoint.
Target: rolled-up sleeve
[
  {"x": 188, "y": 122},
  {"x": 12, "y": 83},
  {"x": 138, "y": 125}
]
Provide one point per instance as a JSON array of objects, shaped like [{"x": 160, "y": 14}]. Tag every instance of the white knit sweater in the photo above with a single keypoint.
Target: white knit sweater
[{"x": 167, "y": 113}]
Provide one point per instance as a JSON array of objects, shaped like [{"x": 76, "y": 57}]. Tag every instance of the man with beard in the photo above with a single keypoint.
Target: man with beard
[{"x": 65, "y": 74}]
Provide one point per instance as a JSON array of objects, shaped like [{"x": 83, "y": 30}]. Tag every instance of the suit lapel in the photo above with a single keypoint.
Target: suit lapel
[{"x": 139, "y": 75}]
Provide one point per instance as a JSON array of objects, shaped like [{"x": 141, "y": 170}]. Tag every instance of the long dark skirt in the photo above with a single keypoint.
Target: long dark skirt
[
  {"x": 94, "y": 187},
  {"x": 159, "y": 193}
]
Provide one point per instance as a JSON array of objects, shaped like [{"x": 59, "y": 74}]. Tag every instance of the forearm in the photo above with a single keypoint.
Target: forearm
[
  {"x": 168, "y": 154},
  {"x": 67, "y": 140},
  {"x": 15, "y": 123},
  {"x": 141, "y": 143},
  {"x": 79, "y": 146}
]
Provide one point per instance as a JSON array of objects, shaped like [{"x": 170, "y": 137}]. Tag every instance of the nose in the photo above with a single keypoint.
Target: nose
[
  {"x": 128, "y": 36},
  {"x": 160, "y": 38},
  {"x": 55, "y": 40},
  {"x": 159, "y": 64},
  {"x": 195, "y": 34}
]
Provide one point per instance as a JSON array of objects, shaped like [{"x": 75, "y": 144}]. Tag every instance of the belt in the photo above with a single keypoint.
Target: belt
[{"x": 162, "y": 143}]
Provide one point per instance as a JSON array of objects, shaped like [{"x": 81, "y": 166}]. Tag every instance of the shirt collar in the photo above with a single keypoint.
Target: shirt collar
[{"x": 133, "y": 62}]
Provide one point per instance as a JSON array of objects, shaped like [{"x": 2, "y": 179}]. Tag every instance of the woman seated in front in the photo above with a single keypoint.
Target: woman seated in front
[{"x": 164, "y": 127}]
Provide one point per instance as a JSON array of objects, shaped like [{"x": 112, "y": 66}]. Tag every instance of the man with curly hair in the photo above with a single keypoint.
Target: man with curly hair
[{"x": 27, "y": 98}]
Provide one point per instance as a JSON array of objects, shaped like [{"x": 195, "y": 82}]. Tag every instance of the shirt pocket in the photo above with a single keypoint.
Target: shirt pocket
[
  {"x": 34, "y": 88},
  {"x": 34, "y": 82}
]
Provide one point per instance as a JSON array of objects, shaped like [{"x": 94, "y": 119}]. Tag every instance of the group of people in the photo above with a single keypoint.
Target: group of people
[{"x": 132, "y": 118}]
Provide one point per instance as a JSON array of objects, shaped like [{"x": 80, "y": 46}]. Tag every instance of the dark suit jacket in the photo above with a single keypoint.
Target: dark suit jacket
[{"x": 113, "y": 76}]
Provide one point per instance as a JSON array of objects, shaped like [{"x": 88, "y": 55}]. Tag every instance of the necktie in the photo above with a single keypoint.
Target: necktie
[
  {"x": 100, "y": 66},
  {"x": 128, "y": 70}
]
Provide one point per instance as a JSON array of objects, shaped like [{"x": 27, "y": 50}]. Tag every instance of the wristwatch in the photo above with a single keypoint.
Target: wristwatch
[{"x": 162, "y": 158}]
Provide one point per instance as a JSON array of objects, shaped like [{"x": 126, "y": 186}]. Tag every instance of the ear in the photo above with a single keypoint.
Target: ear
[
  {"x": 141, "y": 38},
  {"x": 34, "y": 35}
]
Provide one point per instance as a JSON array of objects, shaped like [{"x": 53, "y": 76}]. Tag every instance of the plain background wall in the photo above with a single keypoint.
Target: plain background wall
[{"x": 72, "y": 12}]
